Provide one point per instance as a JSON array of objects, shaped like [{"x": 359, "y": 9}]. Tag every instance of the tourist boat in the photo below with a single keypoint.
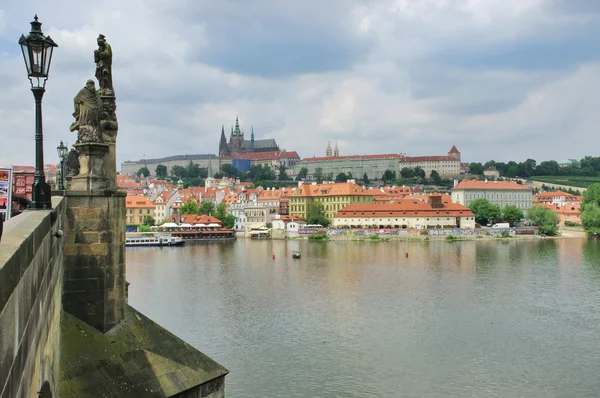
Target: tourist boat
[
  {"x": 295, "y": 254},
  {"x": 152, "y": 239}
]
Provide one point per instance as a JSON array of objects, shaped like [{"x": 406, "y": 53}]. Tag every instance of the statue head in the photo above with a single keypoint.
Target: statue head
[
  {"x": 90, "y": 85},
  {"x": 101, "y": 40}
]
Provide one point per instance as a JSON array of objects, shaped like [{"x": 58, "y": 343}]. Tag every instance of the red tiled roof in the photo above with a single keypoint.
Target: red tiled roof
[
  {"x": 132, "y": 202},
  {"x": 362, "y": 157},
  {"x": 23, "y": 169},
  {"x": 428, "y": 158},
  {"x": 405, "y": 208},
  {"x": 453, "y": 149}
]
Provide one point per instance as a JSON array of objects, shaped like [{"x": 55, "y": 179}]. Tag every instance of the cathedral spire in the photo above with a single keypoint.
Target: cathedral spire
[
  {"x": 237, "y": 131},
  {"x": 328, "y": 149},
  {"x": 223, "y": 151},
  {"x": 336, "y": 151}
]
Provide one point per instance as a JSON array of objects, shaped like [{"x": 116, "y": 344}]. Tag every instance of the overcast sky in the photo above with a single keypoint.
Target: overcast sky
[{"x": 500, "y": 79}]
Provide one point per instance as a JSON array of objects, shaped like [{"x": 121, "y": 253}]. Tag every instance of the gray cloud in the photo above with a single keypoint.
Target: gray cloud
[{"x": 500, "y": 80}]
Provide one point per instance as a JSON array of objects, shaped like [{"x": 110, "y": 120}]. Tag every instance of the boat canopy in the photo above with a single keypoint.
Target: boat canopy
[
  {"x": 199, "y": 225},
  {"x": 213, "y": 224},
  {"x": 170, "y": 225},
  {"x": 186, "y": 225}
]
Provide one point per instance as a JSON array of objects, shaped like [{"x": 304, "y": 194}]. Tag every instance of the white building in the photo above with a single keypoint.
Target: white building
[
  {"x": 501, "y": 193},
  {"x": 446, "y": 166}
]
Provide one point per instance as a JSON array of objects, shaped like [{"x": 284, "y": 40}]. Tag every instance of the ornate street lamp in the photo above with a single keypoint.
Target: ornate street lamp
[
  {"x": 62, "y": 151},
  {"x": 37, "y": 53}
]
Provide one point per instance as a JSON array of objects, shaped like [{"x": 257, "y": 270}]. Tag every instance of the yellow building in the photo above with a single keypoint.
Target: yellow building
[
  {"x": 334, "y": 196},
  {"x": 138, "y": 207}
]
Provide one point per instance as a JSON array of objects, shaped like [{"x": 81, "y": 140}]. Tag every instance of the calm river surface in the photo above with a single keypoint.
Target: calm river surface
[{"x": 355, "y": 319}]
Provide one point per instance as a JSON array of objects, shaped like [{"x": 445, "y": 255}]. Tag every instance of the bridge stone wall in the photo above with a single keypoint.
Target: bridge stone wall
[{"x": 31, "y": 275}]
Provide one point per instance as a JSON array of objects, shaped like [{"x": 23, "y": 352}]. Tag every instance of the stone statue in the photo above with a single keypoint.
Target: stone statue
[
  {"x": 103, "y": 60},
  {"x": 72, "y": 163},
  {"x": 88, "y": 114}
]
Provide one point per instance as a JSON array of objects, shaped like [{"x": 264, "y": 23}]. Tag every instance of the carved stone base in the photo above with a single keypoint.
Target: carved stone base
[{"x": 93, "y": 168}]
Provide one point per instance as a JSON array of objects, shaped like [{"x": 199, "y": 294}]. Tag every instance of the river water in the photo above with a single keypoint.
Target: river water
[{"x": 360, "y": 319}]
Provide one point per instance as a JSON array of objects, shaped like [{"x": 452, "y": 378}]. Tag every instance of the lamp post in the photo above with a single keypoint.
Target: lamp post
[
  {"x": 62, "y": 151},
  {"x": 37, "y": 53}
]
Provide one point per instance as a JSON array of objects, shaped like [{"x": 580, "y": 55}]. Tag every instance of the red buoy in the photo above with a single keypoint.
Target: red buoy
[
  {"x": 406, "y": 254},
  {"x": 273, "y": 256}
]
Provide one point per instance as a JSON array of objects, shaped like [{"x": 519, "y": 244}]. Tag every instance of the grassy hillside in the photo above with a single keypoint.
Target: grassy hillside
[{"x": 582, "y": 182}]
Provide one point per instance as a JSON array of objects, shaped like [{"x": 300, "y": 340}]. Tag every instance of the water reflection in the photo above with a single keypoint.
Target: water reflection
[{"x": 473, "y": 318}]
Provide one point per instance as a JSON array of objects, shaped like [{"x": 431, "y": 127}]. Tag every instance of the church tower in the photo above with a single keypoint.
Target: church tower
[
  {"x": 237, "y": 139},
  {"x": 328, "y": 149},
  {"x": 454, "y": 153},
  {"x": 336, "y": 151},
  {"x": 223, "y": 150},
  {"x": 252, "y": 138}
]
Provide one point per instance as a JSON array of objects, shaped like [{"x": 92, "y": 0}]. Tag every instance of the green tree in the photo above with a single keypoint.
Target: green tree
[
  {"x": 302, "y": 174},
  {"x": 435, "y": 177},
  {"x": 545, "y": 219},
  {"x": 229, "y": 170},
  {"x": 407, "y": 172},
  {"x": 512, "y": 214},
  {"x": 485, "y": 211},
  {"x": 143, "y": 172},
  {"x": 283, "y": 174},
  {"x": 318, "y": 175},
  {"x": 366, "y": 179},
  {"x": 191, "y": 207},
  {"x": 245, "y": 176},
  {"x": 388, "y": 176},
  {"x": 590, "y": 209},
  {"x": 419, "y": 172},
  {"x": 329, "y": 176},
  {"x": 220, "y": 211},
  {"x": 179, "y": 172},
  {"x": 149, "y": 221},
  {"x": 161, "y": 171},
  {"x": 342, "y": 177},
  {"x": 206, "y": 207},
  {"x": 218, "y": 175},
  {"x": 316, "y": 214},
  {"x": 476, "y": 168},
  {"x": 193, "y": 170},
  {"x": 228, "y": 221}
]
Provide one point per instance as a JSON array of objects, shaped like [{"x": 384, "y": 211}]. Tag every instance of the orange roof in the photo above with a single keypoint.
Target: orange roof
[
  {"x": 199, "y": 219},
  {"x": 23, "y": 169},
  {"x": 567, "y": 209},
  {"x": 404, "y": 208},
  {"x": 360, "y": 157},
  {"x": 555, "y": 193},
  {"x": 269, "y": 194},
  {"x": 453, "y": 149},
  {"x": 428, "y": 158},
  {"x": 335, "y": 189},
  {"x": 138, "y": 202},
  {"x": 490, "y": 185}
]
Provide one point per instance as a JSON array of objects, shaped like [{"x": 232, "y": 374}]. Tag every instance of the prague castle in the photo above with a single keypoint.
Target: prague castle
[{"x": 238, "y": 145}]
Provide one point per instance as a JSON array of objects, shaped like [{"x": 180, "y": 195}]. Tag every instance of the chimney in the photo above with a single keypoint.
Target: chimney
[
  {"x": 486, "y": 180},
  {"x": 455, "y": 182}
]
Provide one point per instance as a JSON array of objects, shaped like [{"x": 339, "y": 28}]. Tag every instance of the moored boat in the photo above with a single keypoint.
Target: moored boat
[
  {"x": 152, "y": 239},
  {"x": 296, "y": 254}
]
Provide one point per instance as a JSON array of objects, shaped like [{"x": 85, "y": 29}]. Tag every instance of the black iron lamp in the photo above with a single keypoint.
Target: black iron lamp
[
  {"x": 37, "y": 53},
  {"x": 62, "y": 151}
]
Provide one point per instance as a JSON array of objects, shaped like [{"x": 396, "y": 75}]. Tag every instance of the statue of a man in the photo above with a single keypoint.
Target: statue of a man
[
  {"x": 103, "y": 60},
  {"x": 88, "y": 114}
]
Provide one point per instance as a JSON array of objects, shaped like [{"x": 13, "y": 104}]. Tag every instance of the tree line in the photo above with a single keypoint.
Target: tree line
[{"x": 588, "y": 166}]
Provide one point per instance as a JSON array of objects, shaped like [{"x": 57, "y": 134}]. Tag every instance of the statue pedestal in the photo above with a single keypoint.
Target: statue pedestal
[{"x": 93, "y": 167}]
